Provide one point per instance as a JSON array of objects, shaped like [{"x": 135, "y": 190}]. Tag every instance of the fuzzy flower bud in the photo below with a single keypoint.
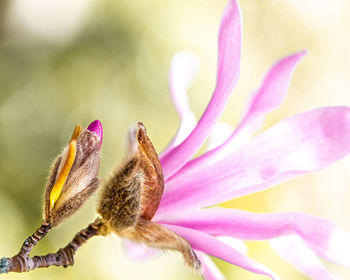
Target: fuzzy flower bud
[
  {"x": 134, "y": 190},
  {"x": 73, "y": 176}
]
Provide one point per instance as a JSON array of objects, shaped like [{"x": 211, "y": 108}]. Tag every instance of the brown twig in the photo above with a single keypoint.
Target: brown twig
[
  {"x": 33, "y": 240},
  {"x": 63, "y": 257}
]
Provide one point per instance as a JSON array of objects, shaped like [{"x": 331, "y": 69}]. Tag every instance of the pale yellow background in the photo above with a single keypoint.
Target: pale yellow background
[{"x": 64, "y": 62}]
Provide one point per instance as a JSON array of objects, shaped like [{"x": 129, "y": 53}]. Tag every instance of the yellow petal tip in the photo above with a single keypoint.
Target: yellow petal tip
[{"x": 77, "y": 131}]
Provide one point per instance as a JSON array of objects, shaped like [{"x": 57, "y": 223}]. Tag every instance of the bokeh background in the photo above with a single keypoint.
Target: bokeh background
[{"x": 64, "y": 62}]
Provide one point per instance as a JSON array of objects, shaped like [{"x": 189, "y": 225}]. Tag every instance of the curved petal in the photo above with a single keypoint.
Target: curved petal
[
  {"x": 292, "y": 249},
  {"x": 210, "y": 245},
  {"x": 227, "y": 77},
  {"x": 303, "y": 143},
  {"x": 322, "y": 236},
  {"x": 210, "y": 270},
  {"x": 219, "y": 134},
  {"x": 138, "y": 252},
  {"x": 270, "y": 95},
  {"x": 235, "y": 243},
  {"x": 183, "y": 70}
]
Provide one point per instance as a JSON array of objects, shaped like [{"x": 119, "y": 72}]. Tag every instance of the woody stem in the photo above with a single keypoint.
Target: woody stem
[
  {"x": 63, "y": 257},
  {"x": 33, "y": 240}
]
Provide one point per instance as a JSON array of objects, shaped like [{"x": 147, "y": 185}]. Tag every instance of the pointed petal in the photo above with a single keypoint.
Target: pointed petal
[
  {"x": 292, "y": 249},
  {"x": 303, "y": 143},
  {"x": 272, "y": 91},
  {"x": 183, "y": 70},
  {"x": 270, "y": 95},
  {"x": 96, "y": 127},
  {"x": 210, "y": 245},
  {"x": 210, "y": 270},
  {"x": 322, "y": 236},
  {"x": 227, "y": 77},
  {"x": 138, "y": 252}
]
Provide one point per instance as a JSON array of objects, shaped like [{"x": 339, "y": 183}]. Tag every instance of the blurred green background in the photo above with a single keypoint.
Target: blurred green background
[{"x": 65, "y": 62}]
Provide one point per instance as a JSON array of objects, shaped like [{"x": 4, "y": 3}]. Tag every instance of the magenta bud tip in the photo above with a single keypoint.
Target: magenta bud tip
[{"x": 96, "y": 127}]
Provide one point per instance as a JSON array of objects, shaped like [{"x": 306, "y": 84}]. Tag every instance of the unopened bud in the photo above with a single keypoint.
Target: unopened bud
[
  {"x": 135, "y": 188},
  {"x": 73, "y": 177}
]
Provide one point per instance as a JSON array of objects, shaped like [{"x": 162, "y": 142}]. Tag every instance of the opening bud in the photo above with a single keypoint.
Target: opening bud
[{"x": 73, "y": 177}]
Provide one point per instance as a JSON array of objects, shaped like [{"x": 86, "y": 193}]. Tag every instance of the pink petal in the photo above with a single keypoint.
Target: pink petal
[
  {"x": 235, "y": 243},
  {"x": 227, "y": 77},
  {"x": 219, "y": 134},
  {"x": 210, "y": 245},
  {"x": 322, "y": 236},
  {"x": 273, "y": 90},
  {"x": 183, "y": 70},
  {"x": 303, "y": 143},
  {"x": 292, "y": 249},
  {"x": 210, "y": 270},
  {"x": 138, "y": 252},
  {"x": 96, "y": 127},
  {"x": 271, "y": 95}
]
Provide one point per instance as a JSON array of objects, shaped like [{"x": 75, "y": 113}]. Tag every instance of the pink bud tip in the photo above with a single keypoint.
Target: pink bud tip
[{"x": 96, "y": 127}]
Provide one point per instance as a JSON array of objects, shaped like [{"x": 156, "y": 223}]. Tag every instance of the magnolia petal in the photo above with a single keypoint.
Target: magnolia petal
[
  {"x": 96, "y": 127},
  {"x": 138, "y": 252},
  {"x": 227, "y": 77},
  {"x": 210, "y": 270},
  {"x": 210, "y": 245},
  {"x": 303, "y": 143},
  {"x": 337, "y": 249},
  {"x": 64, "y": 169},
  {"x": 218, "y": 136},
  {"x": 270, "y": 95},
  {"x": 292, "y": 249},
  {"x": 235, "y": 243},
  {"x": 322, "y": 236},
  {"x": 183, "y": 70}
]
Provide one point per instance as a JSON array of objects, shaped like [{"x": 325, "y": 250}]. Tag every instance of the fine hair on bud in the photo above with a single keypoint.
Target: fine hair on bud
[
  {"x": 131, "y": 195},
  {"x": 73, "y": 177},
  {"x": 136, "y": 186}
]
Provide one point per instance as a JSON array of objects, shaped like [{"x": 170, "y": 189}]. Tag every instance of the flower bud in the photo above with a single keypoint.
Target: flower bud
[
  {"x": 73, "y": 176},
  {"x": 135, "y": 188}
]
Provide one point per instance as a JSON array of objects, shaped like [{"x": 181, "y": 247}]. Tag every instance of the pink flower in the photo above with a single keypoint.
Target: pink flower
[{"x": 242, "y": 165}]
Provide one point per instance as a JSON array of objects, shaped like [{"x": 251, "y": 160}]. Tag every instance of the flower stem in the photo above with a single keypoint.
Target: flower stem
[{"x": 63, "y": 257}]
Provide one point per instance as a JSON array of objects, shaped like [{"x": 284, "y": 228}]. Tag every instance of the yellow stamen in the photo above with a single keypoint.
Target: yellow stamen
[
  {"x": 77, "y": 131},
  {"x": 62, "y": 177}
]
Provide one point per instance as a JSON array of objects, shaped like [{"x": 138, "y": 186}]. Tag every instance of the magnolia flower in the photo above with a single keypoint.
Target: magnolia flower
[{"x": 243, "y": 164}]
